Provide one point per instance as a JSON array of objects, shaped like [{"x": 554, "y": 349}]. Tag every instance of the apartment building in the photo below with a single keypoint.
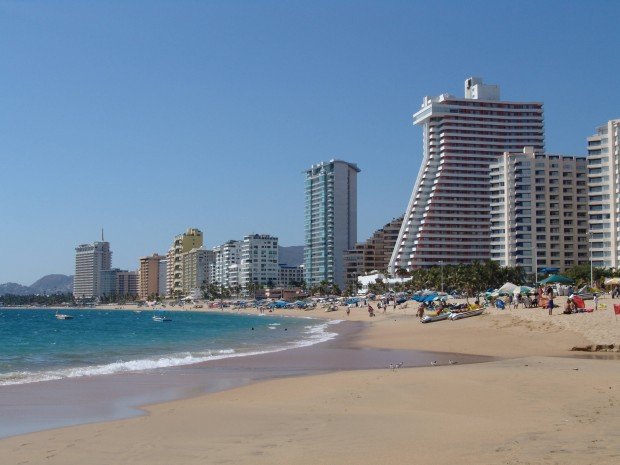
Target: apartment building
[
  {"x": 259, "y": 260},
  {"x": 539, "y": 211},
  {"x": 149, "y": 276},
  {"x": 373, "y": 254},
  {"x": 604, "y": 200},
  {"x": 331, "y": 220}
]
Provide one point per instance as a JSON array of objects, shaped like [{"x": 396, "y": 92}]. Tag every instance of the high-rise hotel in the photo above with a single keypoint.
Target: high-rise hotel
[
  {"x": 448, "y": 216},
  {"x": 604, "y": 202},
  {"x": 331, "y": 220},
  {"x": 90, "y": 261}
]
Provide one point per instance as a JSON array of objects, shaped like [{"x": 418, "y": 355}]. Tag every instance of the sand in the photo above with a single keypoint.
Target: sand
[{"x": 539, "y": 403}]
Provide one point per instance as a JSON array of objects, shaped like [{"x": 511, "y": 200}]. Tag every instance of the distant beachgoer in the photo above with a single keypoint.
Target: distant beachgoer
[
  {"x": 595, "y": 302},
  {"x": 420, "y": 313},
  {"x": 371, "y": 311},
  {"x": 348, "y": 310},
  {"x": 550, "y": 303}
]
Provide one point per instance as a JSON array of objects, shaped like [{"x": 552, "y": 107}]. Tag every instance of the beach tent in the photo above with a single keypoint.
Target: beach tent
[
  {"x": 507, "y": 288},
  {"x": 523, "y": 290},
  {"x": 557, "y": 278}
]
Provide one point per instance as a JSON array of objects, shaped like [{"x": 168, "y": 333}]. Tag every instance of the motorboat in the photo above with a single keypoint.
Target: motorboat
[
  {"x": 161, "y": 318},
  {"x": 63, "y": 316}
]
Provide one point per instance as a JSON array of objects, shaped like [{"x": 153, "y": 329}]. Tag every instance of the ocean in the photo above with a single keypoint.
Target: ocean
[{"x": 35, "y": 346}]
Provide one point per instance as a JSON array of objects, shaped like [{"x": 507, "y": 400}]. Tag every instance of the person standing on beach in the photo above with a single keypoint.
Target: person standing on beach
[
  {"x": 595, "y": 302},
  {"x": 550, "y": 303}
]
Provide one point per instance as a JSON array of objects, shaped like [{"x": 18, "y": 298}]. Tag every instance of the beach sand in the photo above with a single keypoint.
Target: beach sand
[{"x": 540, "y": 403}]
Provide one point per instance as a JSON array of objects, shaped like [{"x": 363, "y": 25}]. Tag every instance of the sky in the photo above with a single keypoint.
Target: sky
[{"x": 149, "y": 117}]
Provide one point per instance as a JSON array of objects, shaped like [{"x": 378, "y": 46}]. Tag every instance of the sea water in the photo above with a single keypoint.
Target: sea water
[{"x": 35, "y": 346}]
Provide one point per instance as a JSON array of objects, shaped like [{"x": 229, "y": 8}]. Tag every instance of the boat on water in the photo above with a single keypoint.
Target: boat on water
[
  {"x": 161, "y": 318},
  {"x": 63, "y": 316},
  {"x": 461, "y": 315}
]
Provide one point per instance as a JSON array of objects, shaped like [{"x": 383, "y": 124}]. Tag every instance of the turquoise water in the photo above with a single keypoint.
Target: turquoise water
[{"x": 35, "y": 346}]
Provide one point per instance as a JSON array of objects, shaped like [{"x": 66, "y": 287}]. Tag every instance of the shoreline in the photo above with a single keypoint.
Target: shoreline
[{"x": 282, "y": 419}]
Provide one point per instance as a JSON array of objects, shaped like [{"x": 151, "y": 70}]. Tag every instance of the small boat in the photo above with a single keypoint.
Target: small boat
[
  {"x": 161, "y": 318},
  {"x": 458, "y": 316},
  {"x": 437, "y": 317},
  {"x": 63, "y": 316}
]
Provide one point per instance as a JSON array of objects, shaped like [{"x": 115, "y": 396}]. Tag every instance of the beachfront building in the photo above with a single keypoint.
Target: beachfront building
[
  {"x": 183, "y": 243},
  {"x": 162, "y": 290},
  {"x": 374, "y": 254},
  {"x": 448, "y": 217},
  {"x": 90, "y": 261},
  {"x": 259, "y": 260},
  {"x": 331, "y": 220},
  {"x": 195, "y": 265},
  {"x": 108, "y": 282},
  {"x": 149, "y": 276},
  {"x": 604, "y": 201},
  {"x": 539, "y": 211},
  {"x": 127, "y": 284},
  {"x": 290, "y": 276},
  {"x": 226, "y": 265}
]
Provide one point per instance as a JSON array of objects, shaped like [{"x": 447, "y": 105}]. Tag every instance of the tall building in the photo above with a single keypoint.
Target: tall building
[
  {"x": 539, "y": 211},
  {"x": 127, "y": 283},
  {"x": 259, "y": 260},
  {"x": 448, "y": 218},
  {"x": 196, "y": 268},
  {"x": 90, "y": 261},
  {"x": 331, "y": 220},
  {"x": 226, "y": 266},
  {"x": 374, "y": 254},
  {"x": 603, "y": 182},
  {"x": 149, "y": 276},
  {"x": 191, "y": 239},
  {"x": 162, "y": 280}
]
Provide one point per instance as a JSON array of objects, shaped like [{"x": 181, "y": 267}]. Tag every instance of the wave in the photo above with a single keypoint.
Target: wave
[{"x": 312, "y": 335}]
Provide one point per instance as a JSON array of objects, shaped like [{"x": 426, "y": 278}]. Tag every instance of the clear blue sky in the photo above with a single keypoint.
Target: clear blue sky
[{"x": 148, "y": 117}]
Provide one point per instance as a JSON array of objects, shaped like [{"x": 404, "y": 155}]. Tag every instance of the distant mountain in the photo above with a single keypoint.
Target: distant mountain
[
  {"x": 50, "y": 284},
  {"x": 53, "y": 284},
  {"x": 291, "y": 256},
  {"x": 14, "y": 288}
]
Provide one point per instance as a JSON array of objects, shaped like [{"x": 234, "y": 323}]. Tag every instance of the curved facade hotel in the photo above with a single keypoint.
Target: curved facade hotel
[{"x": 448, "y": 216}]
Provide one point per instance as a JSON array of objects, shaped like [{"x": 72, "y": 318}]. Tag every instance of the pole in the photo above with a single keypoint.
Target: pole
[
  {"x": 591, "y": 266},
  {"x": 441, "y": 265}
]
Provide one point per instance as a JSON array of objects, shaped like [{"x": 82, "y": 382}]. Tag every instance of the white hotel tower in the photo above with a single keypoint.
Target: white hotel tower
[
  {"x": 448, "y": 216},
  {"x": 604, "y": 185}
]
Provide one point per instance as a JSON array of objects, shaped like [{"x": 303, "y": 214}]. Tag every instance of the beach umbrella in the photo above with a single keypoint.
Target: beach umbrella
[
  {"x": 557, "y": 278},
  {"x": 578, "y": 301},
  {"x": 612, "y": 281}
]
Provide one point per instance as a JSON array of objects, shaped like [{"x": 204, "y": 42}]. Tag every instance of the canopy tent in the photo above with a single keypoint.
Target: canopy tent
[
  {"x": 523, "y": 290},
  {"x": 557, "y": 278},
  {"x": 507, "y": 288}
]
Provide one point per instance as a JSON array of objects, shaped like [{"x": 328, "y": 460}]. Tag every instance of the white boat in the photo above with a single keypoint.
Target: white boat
[
  {"x": 459, "y": 316},
  {"x": 161, "y": 318},
  {"x": 439, "y": 317},
  {"x": 63, "y": 316}
]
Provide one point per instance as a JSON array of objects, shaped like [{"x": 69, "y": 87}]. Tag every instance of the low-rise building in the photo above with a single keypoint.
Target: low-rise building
[{"x": 290, "y": 276}]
